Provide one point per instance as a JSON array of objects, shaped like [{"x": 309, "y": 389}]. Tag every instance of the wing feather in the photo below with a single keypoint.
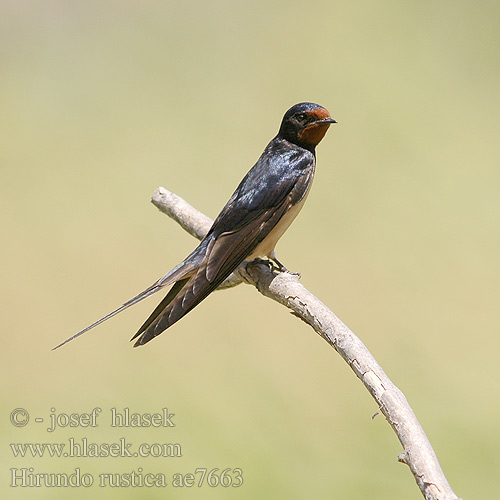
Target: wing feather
[{"x": 223, "y": 256}]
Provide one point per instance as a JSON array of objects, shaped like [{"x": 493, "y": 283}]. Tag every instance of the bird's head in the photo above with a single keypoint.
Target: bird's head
[{"x": 305, "y": 124}]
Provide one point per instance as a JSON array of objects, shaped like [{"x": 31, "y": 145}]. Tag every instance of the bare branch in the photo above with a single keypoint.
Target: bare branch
[
  {"x": 190, "y": 219},
  {"x": 286, "y": 289}
]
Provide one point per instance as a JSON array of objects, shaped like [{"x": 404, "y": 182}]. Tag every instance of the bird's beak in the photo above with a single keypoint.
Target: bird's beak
[{"x": 327, "y": 120}]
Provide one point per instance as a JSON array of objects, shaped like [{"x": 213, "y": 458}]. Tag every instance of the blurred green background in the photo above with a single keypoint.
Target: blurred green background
[{"x": 102, "y": 102}]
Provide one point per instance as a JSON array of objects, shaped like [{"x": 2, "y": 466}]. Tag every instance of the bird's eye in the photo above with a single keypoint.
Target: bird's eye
[{"x": 302, "y": 117}]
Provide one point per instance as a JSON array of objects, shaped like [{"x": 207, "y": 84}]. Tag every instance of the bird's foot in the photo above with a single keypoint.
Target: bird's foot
[
  {"x": 265, "y": 262},
  {"x": 276, "y": 264}
]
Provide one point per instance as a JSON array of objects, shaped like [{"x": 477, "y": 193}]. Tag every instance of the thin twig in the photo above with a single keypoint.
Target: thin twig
[{"x": 286, "y": 289}]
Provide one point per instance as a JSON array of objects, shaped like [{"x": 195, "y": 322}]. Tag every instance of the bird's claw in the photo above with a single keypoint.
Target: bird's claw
[
  {"x": 281, "y": 268},
  {"x": 276, "y": 265}
]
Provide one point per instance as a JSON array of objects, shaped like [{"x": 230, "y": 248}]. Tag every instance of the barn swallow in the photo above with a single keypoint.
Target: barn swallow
[{"x": 264, "y": 204}]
